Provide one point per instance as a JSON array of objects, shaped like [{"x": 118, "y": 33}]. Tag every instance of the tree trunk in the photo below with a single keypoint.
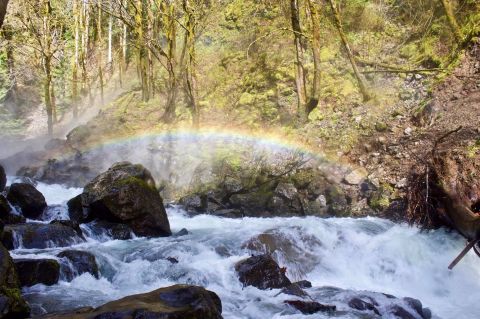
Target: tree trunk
[
  {"x": 3, "y": 10},
  {"x": 47, "y": 93},
  {"x": 172, "y": 86},
  {"x": 47, "y": 65},
  {"x": 110, "y": 39},
  {"x": 142, "y": 63},
  {"x": 9, "y": 51},
  {"x": 123, "y": 62},
  {"x": 100, "y": 45},
  {"x": 299, "y": 68},
  {"x": 53, "y": 101},
  {"x": 76, "y": 16},
  {"x": 452, "y": 21},
  {"x": 190, "y": 81},
  {"x": 338, "y": 23},
  {"x": 315, "y": 94}
]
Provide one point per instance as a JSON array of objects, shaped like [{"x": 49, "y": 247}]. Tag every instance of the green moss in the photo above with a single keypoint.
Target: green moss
[
  {"x": 380, "y": 199},
  {"x": 131, "y": 180},
  {"x": 16, "y": 304}
]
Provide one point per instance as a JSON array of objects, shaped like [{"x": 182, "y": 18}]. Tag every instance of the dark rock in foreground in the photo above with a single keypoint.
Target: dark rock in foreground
[
  {"x": 126, "y": 193},
  {"x": 3, "y": 178},
  {"x": 100, "y": 228},
  {"x": 40, "y": 235},
  {"x": 367, "y": 304},
  {"x": 310, "y": 307},
  {"x": 175, "y": 302},
  {"x": 12, "y": 304},
  {"x": 364, "y": 305},
  {"x": 77, "y": 263},
  {"x": 261, "y": 272},
  {"x": 27, "y": 198},
  {"x": 76, "y": 211},
  {"x": 7, "y": 216},
  {"x": 37, "y": 271}
]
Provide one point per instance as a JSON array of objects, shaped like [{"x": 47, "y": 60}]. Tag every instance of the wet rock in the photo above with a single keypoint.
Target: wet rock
[
  {"x": 286, "y": 200},
  {"x": 126, "y": 193},
  {"x": 310, "y": 307},
  {"x": 27, "y": 198},
  {"x": 294, "y": 290},
  {"x": 261, "y": 272},
  {"x": 401, "y": 313},
  {"x": 3, "y": 178},
  {"x": 7, "y": 215},
  {"x": 37, "y": 271},
  {"x": 40, "y": 236},
  {"x": 416, "y": 305},
  {"x": 76, "y": 211},
  {"x": 362, "y": 305},
  {"x": 12, "y": 304},
  {"x": 254, "y": 203},
  {"x": 304, "y": 284},
  {"x": 229, "y": 213},
  {"x": 116, "y": 231},
  {"x": 337, "y": 202},
  {"x": 80, "y": 262},
  {"x": 194, "y": 203},
  {"x": 175, "y": 302},
  {"x": 173, "y": 260},
  {"x": 288, "y": 247},
  {"x": 182, "y": 232},
  {"x": 73, "y": 171}
]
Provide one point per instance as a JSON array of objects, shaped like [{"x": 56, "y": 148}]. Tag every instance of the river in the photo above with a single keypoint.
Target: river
[{"x": 369, "y": 254}]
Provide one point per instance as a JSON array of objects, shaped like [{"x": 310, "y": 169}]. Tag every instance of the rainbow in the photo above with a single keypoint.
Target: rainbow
[{"x": 268, "y": 140}]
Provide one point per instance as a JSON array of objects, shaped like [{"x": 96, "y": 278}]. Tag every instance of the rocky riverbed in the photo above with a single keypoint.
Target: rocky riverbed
[{"x": 103, "y": 250}]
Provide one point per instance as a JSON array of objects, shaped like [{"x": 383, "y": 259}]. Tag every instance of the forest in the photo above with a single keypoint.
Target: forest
[
  {"x": 272, "y": 62},
  {"x": 239, "y": 159}
]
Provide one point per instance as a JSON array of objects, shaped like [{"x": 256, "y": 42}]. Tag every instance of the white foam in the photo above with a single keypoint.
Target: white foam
[{"x": 361, "y": 254}]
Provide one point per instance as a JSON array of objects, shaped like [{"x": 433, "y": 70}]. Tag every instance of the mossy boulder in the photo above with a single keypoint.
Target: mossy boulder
[
  {"x": 266, "y": 189},
  {"x": 12, "y": 304},
  {"x": 37, "y": 271},
  {"x": 25, "y": 196},
  {"x": 175, "y": 302},
  {"x": 126, "y": 193}
]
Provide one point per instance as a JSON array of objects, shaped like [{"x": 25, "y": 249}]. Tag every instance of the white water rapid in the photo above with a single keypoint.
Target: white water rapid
[{"x": 360, "y": 254}]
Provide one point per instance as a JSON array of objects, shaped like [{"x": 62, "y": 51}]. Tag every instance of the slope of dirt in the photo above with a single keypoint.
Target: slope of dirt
[{"x": 450, "y": 115}]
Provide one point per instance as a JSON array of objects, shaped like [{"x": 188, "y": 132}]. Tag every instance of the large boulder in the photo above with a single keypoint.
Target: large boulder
[
  {"x": 27, "y": 198},
  {"x": 41, "y": 235},
  {"x": 261, "y": 272},
  {"x": 126, "y": 193},
  {"x": 3, "y": 178},
  {"x": 76, "y": 211},
  {"x": 287, "y": 247},
  {"x": 175, "y": 302},
  {"x": 12, "y": 304},
  {"x": 37, "y": 271},
  {"x": 78, "y": 262},
  {"x": 7, "y": 215}
]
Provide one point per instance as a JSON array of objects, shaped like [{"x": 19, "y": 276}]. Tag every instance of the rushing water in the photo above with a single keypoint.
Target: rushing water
[{"x": 360, "y": 254}]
